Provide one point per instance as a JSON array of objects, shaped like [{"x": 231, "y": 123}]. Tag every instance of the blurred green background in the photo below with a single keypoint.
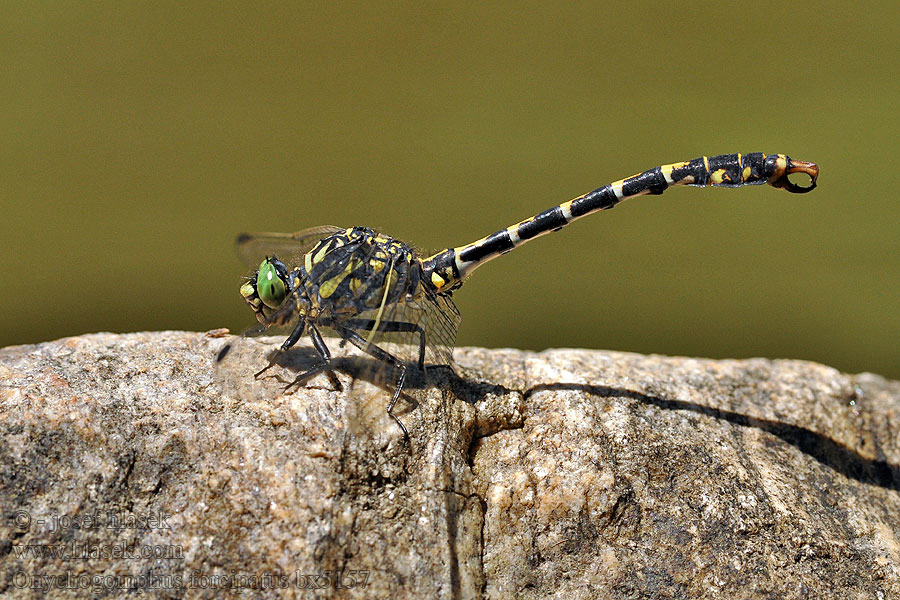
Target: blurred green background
[{"x": 138, "y": 138}]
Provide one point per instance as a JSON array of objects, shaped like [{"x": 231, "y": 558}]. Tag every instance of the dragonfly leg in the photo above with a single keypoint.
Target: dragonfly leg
[
  {"x": 288, "y": 343},
  {"x": 393, "y": 326},
  {"x": 382, "y": 355},
  {"x": 324, "y": 354}
]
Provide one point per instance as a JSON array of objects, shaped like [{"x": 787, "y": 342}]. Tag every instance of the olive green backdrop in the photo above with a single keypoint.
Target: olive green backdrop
[{"x": 139, "y": 138}]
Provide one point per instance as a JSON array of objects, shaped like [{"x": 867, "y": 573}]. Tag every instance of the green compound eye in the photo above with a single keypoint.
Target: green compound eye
[{"x": 269, "y": 285}]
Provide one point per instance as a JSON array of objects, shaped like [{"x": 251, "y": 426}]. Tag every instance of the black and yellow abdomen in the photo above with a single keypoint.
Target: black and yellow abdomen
[{"x": 446, "y": 270}]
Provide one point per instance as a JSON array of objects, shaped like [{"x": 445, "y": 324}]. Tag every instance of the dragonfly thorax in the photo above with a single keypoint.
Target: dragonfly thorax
[
  {"x": 346, "y": 274},
  {"x": 358, "y": 270}
]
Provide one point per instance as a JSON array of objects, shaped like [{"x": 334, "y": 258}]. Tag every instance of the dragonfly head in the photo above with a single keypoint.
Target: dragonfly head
[
  {"x": 272, "y": 283},
  {"x": 267, "y": 288}
]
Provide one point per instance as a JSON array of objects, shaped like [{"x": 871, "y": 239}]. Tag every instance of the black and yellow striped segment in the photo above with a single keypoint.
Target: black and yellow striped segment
[{"x": 446, "y": 270}]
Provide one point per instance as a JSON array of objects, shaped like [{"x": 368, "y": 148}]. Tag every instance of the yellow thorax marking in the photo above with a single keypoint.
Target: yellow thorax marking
[
  {"x": 320, "y": 255},
  {"x": 387, "y": 290},
  {"x": 377, "y": 265},
  {"x": 328, "y": 288}
]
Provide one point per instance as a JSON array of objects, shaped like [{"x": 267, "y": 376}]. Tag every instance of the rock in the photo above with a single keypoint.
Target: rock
[{"x": 133, "y": 463}]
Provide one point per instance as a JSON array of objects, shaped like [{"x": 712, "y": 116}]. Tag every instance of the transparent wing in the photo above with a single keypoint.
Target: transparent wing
[
  {"x": 252, "y": 248},
  {"x": 416, "y": 326},
  {"x": 374, "y": 381},
  {"x": 246, "y": 354},
  {"x": 443, "y": 323},
  {"x": 436, "y": 318},
  {"x": 417, "y": 318}
]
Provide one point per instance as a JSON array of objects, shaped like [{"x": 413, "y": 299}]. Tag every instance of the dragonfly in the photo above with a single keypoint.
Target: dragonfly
[{"x": 394, "y": 304}]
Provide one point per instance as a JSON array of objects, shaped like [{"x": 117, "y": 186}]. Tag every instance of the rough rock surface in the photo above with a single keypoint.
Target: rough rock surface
[{"x": 131, "y": 463}]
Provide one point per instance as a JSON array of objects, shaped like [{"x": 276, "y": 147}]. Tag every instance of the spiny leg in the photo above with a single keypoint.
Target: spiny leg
[
  {"x": 393, "y": 326},
  {"x": 324, "y": 354},
  {"x": 289, "y": 343},
  {"x": 382, "y": 355},
  {"x": 285, "y": 313},
  {"x": 285, "y": 346}
]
